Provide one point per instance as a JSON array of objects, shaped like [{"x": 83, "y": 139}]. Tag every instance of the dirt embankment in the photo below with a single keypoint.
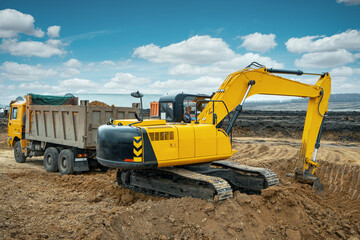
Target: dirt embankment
[{"x": 41, "y": 205}]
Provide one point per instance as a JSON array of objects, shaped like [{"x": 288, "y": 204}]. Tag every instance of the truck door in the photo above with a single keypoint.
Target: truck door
[{"x": 14, "y": 126}]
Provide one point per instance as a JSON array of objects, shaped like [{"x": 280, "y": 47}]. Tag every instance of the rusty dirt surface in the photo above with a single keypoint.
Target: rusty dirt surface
[{"x": 40, "y": 205}]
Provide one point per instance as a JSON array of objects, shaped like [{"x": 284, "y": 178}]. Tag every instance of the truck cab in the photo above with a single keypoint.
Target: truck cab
[{"x": 16, "y": 124}]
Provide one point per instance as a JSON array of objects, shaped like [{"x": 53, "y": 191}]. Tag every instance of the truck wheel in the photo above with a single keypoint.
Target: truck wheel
[
  {"x": 19, "y": 155},
  {"x": 51, "y": 156},
  {"x": 66, "y": 162}
]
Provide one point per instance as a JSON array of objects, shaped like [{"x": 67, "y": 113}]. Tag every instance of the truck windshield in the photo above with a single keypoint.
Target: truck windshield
[{"x": 14, "y": 113}]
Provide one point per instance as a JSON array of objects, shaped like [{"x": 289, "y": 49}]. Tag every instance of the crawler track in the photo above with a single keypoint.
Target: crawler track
[
  {"x": 175, "y": 182},
  {"x": 213, "y": 184},
  {"x": 269, "y": 176}
]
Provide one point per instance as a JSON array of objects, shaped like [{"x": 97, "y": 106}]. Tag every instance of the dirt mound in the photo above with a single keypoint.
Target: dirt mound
[
  {"x": 290, "y": 211},
  {"x": 98, "y": 103}
]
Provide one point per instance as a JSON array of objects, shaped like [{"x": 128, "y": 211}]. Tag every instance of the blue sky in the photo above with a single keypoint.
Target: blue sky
[{"x": 56, "y": 47}]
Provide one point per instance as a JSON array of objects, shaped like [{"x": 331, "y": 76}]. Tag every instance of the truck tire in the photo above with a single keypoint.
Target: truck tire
[
  {"x": 51, "y": 156},
  {"x": 66, "y": 162},
  {"x": 18, "y": 154}
]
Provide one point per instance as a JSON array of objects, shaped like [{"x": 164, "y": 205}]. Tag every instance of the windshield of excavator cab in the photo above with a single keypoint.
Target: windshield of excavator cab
[
  {"x": 166, "y": 111},
  {"x": 190, "y": 103}
]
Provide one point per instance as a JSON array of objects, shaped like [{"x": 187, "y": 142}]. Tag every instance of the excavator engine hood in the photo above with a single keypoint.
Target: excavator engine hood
[{"x": 122, "y": 147}]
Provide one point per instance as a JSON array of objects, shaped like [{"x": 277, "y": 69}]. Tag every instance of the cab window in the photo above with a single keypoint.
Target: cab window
[
  {"x": 191, "y": 101},
  {"x": 166, "y": 111},
  {"x": 14, "y": 112}
]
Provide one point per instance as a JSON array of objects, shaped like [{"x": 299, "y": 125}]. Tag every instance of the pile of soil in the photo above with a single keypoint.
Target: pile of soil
[{"x": 98, "y": 103}]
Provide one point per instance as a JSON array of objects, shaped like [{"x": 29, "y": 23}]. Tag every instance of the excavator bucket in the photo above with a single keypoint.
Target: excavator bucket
[{"x": 308, "y": 178}]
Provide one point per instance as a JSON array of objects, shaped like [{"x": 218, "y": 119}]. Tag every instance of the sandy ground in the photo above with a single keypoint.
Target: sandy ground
[{"x": 40, "y": 205}]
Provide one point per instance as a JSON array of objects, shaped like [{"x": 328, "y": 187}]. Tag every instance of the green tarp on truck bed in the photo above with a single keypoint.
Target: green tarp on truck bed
[{"x": 52, "y": 100}]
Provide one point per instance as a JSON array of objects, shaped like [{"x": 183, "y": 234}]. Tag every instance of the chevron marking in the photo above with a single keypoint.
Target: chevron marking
[
  {"x": 137, "y": 153},
  {"x": 137, "y": 145}
]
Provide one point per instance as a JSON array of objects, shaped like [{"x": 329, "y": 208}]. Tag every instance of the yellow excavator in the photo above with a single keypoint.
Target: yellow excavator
[{"x": 177, "y": 159}]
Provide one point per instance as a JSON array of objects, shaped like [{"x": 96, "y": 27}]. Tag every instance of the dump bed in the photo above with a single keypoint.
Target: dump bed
[{"x": 70, "y": 125}]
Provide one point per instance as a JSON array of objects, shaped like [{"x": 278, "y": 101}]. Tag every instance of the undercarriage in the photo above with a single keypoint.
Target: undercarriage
[{"x": 213, "y": 182}]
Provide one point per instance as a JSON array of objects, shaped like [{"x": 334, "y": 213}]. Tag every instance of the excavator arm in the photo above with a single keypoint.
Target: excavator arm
[{"x": 245, "y": 83}]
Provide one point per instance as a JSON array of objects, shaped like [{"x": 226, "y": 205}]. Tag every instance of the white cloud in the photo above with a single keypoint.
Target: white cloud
[
  {"x": 91, "y": 65},
  {"x": 349, "y": 40},
  {"x": 201, "y": 55},
  {"x": 24, "y": 72},
  {"x": 77, "y": 83},
  {"x": 203, "y": 84},
  {"x": 126, "y": 80},
  {"x": 345, "y": 79},
  {"x": 70, "y": 72},
  {"x": 349, "y": 2},
  {"x": 32, "y": 48},
  {"x": 108, "y": 63},
  {"x": 71, "y": 68},
  {"x": 344, "y": 71},
  {"x": 195, "y": 50},
  {"x": 187, "y": 70},
  {"x": 73, "y": 63},
  {"x": 13, "y": 22},
  {"x": 325, "y": 59},
  {"x": 53, "y": 31},
  {"x": 101, "y": 66},
  {"x": 7, "y": 94},
  {"x": 223, "y": 68},
  {"x": 258, "y": 42},
  {"x": 37, "y": 86},
  {"x": 241, "y": 61},
  {"x": 125, "y": 62}
]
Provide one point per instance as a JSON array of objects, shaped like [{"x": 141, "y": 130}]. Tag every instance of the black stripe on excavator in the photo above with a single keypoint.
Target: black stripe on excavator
[
  {"x": 149, "y": 155},
  {"x": 297, "y": 72}
]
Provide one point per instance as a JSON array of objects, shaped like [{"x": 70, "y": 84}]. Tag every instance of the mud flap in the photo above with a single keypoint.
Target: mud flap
[{"x": 81, "y": 165}]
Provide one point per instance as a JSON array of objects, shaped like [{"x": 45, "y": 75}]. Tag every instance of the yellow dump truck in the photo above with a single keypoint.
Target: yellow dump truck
[{"x": 59, "y": 129}]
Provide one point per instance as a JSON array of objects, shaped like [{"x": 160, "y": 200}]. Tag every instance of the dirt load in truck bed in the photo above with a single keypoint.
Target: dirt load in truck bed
[
  {"x": 98, "y": 103},
  {"x": 37, "y": 204}
]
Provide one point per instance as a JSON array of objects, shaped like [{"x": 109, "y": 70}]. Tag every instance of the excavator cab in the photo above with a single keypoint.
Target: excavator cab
[{"x": 173, "y": 107}]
